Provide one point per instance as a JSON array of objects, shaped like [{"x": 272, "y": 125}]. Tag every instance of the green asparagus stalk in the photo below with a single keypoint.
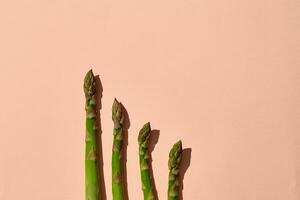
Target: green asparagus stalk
[
  {"x": 146, "y": 176},
  {"x": 174, "y": 163},
  {"x": 91, "y": 146},
  {"x": 117, "y": 170}
]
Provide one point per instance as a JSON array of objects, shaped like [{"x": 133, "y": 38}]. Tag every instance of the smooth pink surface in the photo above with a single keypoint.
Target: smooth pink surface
[{"x": 223, "y": 76}]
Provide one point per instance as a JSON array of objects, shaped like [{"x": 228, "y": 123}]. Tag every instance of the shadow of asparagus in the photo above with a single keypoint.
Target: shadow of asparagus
[
  {"x": 154, "y": 136},
  {"x": 99, "y": 91},
  {"x": 184, "y": 165},
  {"x": 124, "y": 151}
]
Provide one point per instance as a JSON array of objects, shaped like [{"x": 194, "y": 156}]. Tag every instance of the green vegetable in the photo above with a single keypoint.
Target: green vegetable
[
  {"x": 146, "y": 176},
  {"x": 174, "y": 163},
  {"x": 91, "y": 146},
  {"x": 117, "y": 170}
]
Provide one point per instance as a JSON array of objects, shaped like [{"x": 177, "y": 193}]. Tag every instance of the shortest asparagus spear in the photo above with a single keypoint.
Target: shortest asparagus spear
[
  {"x": 174, "y": 164},
  {"x": 146, "y": 176}
]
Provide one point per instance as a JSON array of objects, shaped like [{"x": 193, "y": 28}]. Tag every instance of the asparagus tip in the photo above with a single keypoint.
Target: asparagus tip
[
  {"x": 89, "y": 84},
  {"x": 117, "y": 113},
  {"x": 116, "y": 105},
  {"x": 144, "y": 134},
  {"x": 175, "y": 155}
]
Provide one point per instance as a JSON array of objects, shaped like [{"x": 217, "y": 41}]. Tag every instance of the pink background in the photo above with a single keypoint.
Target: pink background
[{"x": 221, "y": 75}]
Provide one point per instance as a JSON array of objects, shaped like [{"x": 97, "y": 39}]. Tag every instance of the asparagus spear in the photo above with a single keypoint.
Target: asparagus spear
[
  {"x": 117, "y": 171},
  {"x": 174, "y": 163},
  {"x": 91, "y": 163},
  {"x": 146, "y": 176}
]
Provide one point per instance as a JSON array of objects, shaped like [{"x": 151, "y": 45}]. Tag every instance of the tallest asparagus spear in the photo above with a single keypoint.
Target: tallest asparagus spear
[
  {"x": 117, "y": 170},
  {"x": 91, "y": 163}
]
